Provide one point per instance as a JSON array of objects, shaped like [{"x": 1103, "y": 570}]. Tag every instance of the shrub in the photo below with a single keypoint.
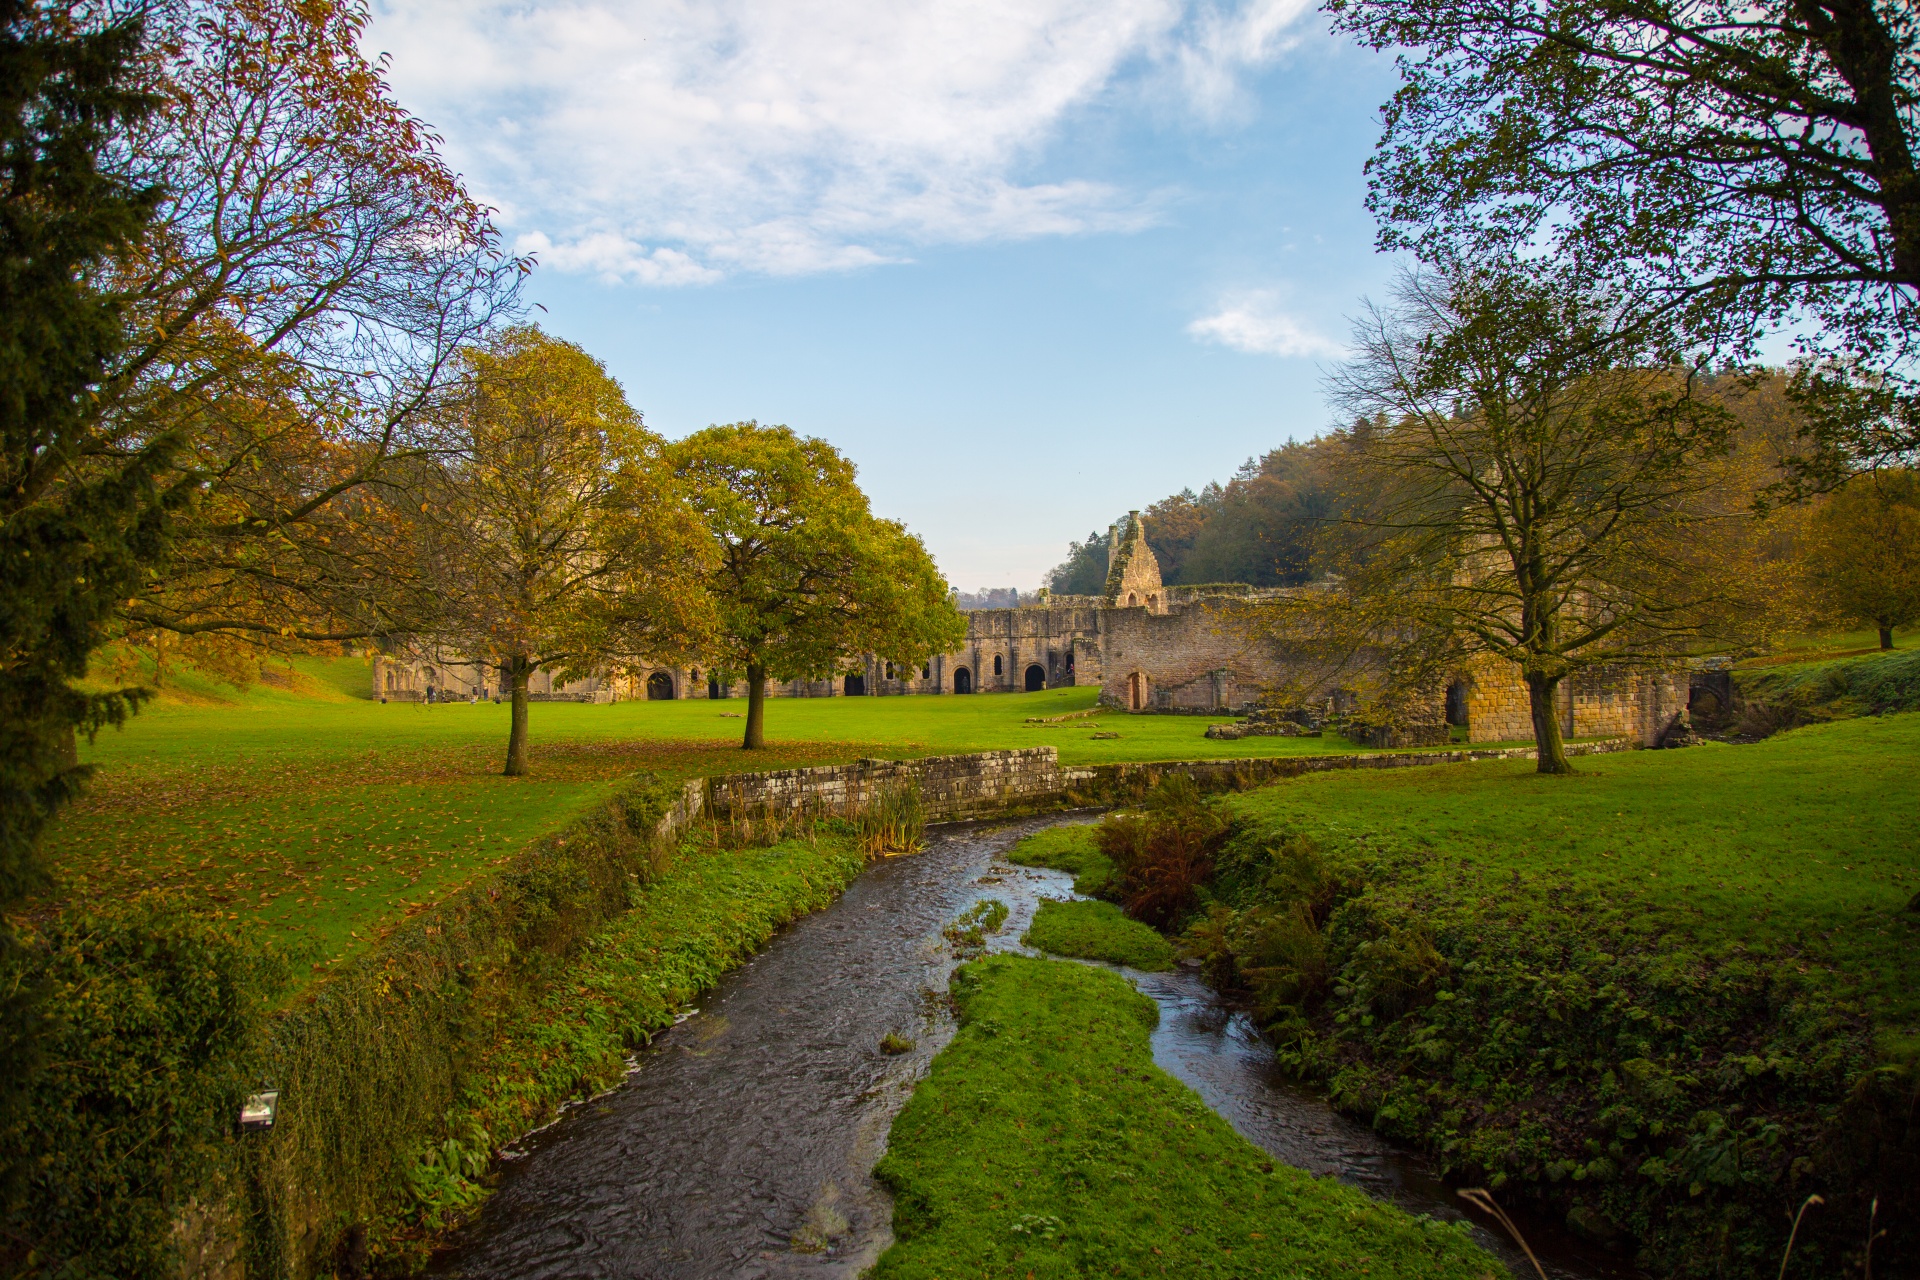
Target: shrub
[{"x": 1162, "y": 853}]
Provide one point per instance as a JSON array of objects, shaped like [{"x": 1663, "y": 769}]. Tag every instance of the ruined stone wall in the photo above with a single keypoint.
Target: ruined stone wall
[
  {"x": 1596, "y": 703},
  {"x": 1133, "y": 571},
  {"x": 1202, "y": 658}
]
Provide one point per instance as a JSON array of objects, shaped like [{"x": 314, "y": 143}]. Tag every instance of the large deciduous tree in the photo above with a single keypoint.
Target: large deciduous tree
[
  {"x": 75, "y": 530},
  {"x": 1753, "y": 162},
  {"x": 808, "y": 579},
  {"x": 553, "y": 533},
  {"x": 1532, "y": 482},
  {"x": 293, "y": 318},
  {"x": 1864, "y": 551}
]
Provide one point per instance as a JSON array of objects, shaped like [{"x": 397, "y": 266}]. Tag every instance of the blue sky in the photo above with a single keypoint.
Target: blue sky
[{"x": 1028, "y": 264}]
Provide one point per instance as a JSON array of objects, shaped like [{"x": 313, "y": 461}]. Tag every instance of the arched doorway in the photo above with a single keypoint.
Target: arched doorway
[
  {"x": 854, "y": 686},
  {"x": 1457, "y": 703},
  {"x": 659, "y": 687},
  {"x": 1036, "y": 678},
  {"x": 1136, "y": 692},
  {"x": 962, "y": 680},
  {"x": 713, "y": 688}
]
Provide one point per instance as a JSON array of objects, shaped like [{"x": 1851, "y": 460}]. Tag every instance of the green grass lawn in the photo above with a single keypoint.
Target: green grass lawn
[
  {"x": 1045, "y": 1143},
  {"x": 319, "y": 811},
  {"x": 1089, "y": 930},
  {"x": 1808, "y": 842}
]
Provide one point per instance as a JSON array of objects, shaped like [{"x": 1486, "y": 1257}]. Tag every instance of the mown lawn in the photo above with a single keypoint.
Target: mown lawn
[
  {"x": 1807, "y": 843},
  {"x": 320, "y": 812},
  {"x": 1045, "y": 1143}
]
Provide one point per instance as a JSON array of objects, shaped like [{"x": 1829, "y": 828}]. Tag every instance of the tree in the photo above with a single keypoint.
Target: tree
[
  {"x": 554, "y": 533},
  {"x": 1084, "y": 571},
  {"x": 1864, "y": 553},
  {"x": 293, "y": 317},
  {"x": 1530, "y": 474},
  {"x": 73, "y": 537},
  {"x": 1263, "y": 523},
  {"x": 1751, "y": 162},
  {"x": 808, "y": 578}
]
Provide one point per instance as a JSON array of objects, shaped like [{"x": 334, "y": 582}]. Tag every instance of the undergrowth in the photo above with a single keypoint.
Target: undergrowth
[{"x": 1635, "y": 1057}]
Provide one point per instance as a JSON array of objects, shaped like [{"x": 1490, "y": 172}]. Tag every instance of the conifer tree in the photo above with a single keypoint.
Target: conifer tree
[{"x": 80, "y": 517}]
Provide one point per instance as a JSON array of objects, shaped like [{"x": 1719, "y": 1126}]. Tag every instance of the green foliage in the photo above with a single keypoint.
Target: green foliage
[
  {"x": 1603, "y": 999},
  {"x": 1046, "y": 1143},
  {"x": 1084, "y": 571},
  {"x": 78, "y": 520},
  {"x": 152, "y": 1043},
  {"x": 1163, "y": 852},
  {"x": 1090, "y": 930},
  {"x": 1810, "y": 692},
  {"x": 1864, "y": 551},
  {"x": 1069, "y": 847},
  {"x": 807, "y": 574}
]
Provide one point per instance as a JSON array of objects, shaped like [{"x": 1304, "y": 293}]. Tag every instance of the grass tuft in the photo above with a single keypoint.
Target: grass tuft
[{"x": 1098, "y": 931}]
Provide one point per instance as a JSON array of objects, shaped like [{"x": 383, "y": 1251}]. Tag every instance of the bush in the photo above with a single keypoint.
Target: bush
[
  {"x": 1162, "y": 853},
  {"x": 154, "y": 1019},
  {"x": 1685, "y": 1098}
]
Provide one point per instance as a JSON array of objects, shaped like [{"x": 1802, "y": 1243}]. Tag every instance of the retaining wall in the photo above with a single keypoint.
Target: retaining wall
[{"x": 1008, "y": 783}]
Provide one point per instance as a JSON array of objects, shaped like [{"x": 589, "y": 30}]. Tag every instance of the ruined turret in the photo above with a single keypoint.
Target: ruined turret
[{"x": 1133, "y": 574}]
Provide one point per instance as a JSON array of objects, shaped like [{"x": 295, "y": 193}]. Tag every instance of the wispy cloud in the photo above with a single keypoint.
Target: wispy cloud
[
  {"x": 675, "y": 142},
  {"x": 1254, "y": 322}
]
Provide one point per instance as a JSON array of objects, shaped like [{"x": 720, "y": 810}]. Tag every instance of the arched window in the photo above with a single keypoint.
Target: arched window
[
  {"x": 996, "y": 664},
  {"x": 889, "y": 671},
  {"x": 926, "y": 672},
  {"x": 1132, "y": 600}
]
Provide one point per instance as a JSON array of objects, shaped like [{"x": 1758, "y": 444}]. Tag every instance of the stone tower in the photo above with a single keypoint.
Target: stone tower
[{"x": 1133, "y": 574}]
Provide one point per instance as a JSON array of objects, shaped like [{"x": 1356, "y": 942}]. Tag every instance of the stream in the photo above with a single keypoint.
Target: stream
[{"x": 742, "y": 1143}]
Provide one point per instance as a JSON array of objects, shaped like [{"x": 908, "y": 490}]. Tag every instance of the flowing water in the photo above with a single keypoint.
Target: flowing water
[{"x": 741, "y": 1144}]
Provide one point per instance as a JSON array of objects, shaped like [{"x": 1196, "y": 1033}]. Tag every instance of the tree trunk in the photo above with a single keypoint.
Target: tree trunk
[
  {"x": 756, "y": 707},
  {"x": 520, "y": 671},
  {"x": 1886, "y": 637},
  {"x": 1549, "y": 751}
]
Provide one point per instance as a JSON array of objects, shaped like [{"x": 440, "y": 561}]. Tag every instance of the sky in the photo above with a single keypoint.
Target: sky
[{"x": 1029, "y": 263}]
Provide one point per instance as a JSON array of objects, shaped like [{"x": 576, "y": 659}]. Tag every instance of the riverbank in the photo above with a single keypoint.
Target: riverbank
[
  {"x": 1045, "y": 1142},
  {"x": 1667, "y": 998},
  {"x": 398, "y": 1076}
]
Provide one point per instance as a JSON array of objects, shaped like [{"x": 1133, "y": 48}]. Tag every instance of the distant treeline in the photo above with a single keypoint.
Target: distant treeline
[{"x": 1257, "y": 528}]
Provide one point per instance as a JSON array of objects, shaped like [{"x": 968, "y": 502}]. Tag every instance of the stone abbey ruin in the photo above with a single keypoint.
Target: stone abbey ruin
[{"x": 1147, "y": 646}]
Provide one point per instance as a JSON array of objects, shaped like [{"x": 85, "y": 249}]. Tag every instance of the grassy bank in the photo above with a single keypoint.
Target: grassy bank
[
  {"x": 1097, "y": 931},
  {"x": 455, "y": 1030},
  {"x": 1670, "y": 996},
  {"x": 1045, "y": 1143},
  {"x": 1069, "y": 848},
  {"x": 323, "y": 815},
  {"x": 1793, "y": 693}
]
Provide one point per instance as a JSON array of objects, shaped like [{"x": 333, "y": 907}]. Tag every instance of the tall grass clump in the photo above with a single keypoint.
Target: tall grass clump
[{"x": 892, "y": 821}]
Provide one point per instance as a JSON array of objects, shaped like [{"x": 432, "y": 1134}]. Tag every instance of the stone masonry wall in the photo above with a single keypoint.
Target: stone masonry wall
[
  {"x": 992, "y": 784},
  {"x": 1600, "y": 702},
  {"x": 1203, "y": 658}
]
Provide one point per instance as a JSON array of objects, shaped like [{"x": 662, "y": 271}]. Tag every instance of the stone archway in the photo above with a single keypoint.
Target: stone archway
[
  {"x": 659, "y": 687},
  {"x": 962, "y": 680},
  {"x": 1036, "y": 678},
  {"x": 714, "y": 691},
  {"x": 1136, "y": 692},
  {"x": 1458, "y": 694},
  {"x": 854, "y": 686}
]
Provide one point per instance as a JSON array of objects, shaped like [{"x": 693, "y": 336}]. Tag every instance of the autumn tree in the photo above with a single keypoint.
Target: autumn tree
[
  {"x": 1864, "y": 551},
  {"x": 1528, "y": 478},
  {"x": 1742, "y": 164},
  {"x": 807, "y": 578},
  {"x": 552, "y": 529},
  {"x": 73, "y": 537},
  {"x": 293, "y": 316}
]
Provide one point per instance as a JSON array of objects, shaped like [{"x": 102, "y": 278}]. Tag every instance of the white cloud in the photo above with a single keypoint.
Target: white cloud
[
  {"x": 1254, "y": 322},
  {"x": 679, "y": 141}
]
